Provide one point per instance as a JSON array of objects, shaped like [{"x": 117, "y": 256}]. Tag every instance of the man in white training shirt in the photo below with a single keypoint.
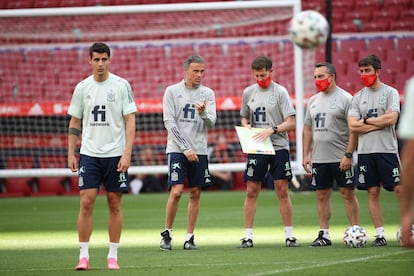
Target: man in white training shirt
[
  {"x": 373, "y": 115},
  {"x": 103, "y": 110},
  {"x": 328, "y": 148},
  {"x": 189, "y": 109}
]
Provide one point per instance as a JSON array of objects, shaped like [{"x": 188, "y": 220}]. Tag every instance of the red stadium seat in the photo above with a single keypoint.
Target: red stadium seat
[
  {"x": 376, "y": 26},
  {"x": 406, "y": 43},
  {"x": 21, "y": 185},
  {"x": 19, "y": 4},
  {"x": 72, "y": 3},
  {"x": 390, "y": 14},
  {"x": 401, "y": 79},
  {"x": 46, "y": 3},
  {"x": 349, "y": 49},
  {"x": 402, "y": 4},
  {"x": 365, "y": 4},
  {"x": 404, "y": 24},
  {"x": 350, "y": 82},
  {"x": 73, "y": 182},
  {"x": 238, "y": 181},
  {"x": 349, "y": 5},
  {"x": 345, "y": 27},
  {"x": 52, "y": 185},
  {"x": 379, "y": 47}
]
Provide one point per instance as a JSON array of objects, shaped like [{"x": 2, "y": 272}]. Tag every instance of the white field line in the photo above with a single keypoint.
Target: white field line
[{"x": 325, "y": 264}]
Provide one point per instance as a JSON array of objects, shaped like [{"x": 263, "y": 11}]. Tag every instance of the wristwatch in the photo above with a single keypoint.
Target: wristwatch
[
  {"x": 348, "y": 154},
  {"x": 274, "y": 129}
]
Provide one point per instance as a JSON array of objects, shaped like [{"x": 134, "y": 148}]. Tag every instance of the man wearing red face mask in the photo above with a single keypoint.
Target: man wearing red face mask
[
  {"x": 328, "y": 148},
  {"x": 373, "y": 115},
  {"x": 266, "y": 104}
]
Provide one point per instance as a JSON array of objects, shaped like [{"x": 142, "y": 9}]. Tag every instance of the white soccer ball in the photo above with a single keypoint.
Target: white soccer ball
[
  {"x": 308, "y": 29},
  {"x": 355, "y": 236},
  {"x": 399, "y": 235}
]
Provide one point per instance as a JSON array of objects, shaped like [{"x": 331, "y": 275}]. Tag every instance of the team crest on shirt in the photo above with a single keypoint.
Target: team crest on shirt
[
  {"x": 272, "y": 100},
  {"x": 201, "y": 96},
  {"x": 110, "y": 97},
  {"x": 333, "y": 105},
  {"x": 382, "y": 100}
]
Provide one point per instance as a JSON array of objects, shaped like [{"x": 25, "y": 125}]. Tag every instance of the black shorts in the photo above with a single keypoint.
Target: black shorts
[
  {"x": 94, "y": 171},
  {"x": 324, "y": 175},
  {"x": 257, "y": 165},
  {"x": 375, "y": 169},
  {"x": 179, "y": 168}
]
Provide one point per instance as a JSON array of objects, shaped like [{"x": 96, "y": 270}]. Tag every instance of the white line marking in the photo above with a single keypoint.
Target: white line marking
[{"x": 272, "y": 272}]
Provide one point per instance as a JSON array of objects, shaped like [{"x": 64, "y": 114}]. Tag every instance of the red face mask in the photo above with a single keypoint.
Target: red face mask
[
  {"x": 368, "y": 80},
  {"x": 264, "y": 83},
  {"x": 322, "y": 85}
]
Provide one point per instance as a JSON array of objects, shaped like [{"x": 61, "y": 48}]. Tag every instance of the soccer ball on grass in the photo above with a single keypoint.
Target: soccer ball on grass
[
  {"x": 399, "y": 235},
  {"x": 308, "y": 29},
  {"x": 355, "y": 236}
]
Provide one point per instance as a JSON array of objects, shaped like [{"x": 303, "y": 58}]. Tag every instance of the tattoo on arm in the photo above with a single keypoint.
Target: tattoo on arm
[{"x": 74, "y": 131}]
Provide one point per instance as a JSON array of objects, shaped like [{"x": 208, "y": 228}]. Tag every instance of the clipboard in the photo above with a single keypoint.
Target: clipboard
[{"x": 248, "y": 145}]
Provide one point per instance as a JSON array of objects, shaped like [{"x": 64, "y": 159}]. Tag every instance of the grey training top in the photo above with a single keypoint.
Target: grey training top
[
  {"x": 327, "y": 114},
  {"x": 374, "y": 103},
  {"x": 268, "y": 108},
  {"x": 187, "y": 129}
]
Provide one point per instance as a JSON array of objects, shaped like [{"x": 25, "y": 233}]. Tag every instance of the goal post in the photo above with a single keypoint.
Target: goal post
[{"x": 148, "y": 43}]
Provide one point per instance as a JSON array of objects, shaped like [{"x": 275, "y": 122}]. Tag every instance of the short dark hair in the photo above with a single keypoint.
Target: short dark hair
[
  {"x": 99, "y": 47},
  {"x": 329, "y": 67},
  {"x": 261, "y": 62},
  {"x": 370, "y": 60},
  {"x": 192, "y": 59}
]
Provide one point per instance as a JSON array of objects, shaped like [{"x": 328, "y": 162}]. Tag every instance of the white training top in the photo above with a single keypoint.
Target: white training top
[
  {"x": 268, "y": 108},
  {"x": 406, "y": 124},
  {"x": 374, "y": 103},
  {"x": 187, "y": 129},
  {"x": 327, "y": 115},
  {"x": 102, "y": 107}
]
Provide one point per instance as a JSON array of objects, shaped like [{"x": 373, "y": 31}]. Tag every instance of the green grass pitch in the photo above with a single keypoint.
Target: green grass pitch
[{"x": 38, "y": 236}]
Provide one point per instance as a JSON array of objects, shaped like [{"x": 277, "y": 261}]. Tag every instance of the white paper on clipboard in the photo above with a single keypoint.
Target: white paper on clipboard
[{"x": 247, "y": 143}]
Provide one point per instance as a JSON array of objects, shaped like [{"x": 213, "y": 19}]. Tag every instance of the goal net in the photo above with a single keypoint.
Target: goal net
[{"x": 44, "y": 54}]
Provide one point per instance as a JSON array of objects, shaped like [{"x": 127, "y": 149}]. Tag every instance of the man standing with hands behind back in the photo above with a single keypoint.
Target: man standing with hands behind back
[
  {"x": 103, "y": 107},
  {"x": 189, "y": 109},
  {"x": 328, "y": 147}
]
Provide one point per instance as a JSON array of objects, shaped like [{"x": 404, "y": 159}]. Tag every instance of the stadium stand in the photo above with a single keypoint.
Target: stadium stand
[
  {"x": 21, "y": 186},
  {"x": 52, "y": 185},
  {"x": 21, "y": 82}
]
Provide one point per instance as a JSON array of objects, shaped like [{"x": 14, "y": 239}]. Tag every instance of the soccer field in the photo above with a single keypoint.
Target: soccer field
[{"x": 38, "y": 236}]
